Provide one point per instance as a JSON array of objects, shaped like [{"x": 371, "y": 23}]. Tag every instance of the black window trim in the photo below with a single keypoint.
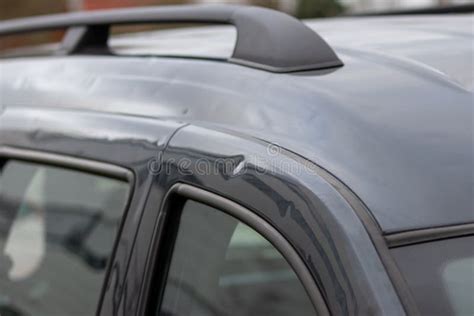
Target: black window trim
[
  {"x": 178, "y": 194},
  {"x": 417, "y": 236},
  {"x": 84, "y": 165},
  {"x": 59, "y": 160}
]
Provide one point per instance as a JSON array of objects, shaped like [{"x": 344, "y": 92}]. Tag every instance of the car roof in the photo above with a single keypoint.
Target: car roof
[
  {"x": 395, "y": 124},
  {"x": 428, "y": 41}
]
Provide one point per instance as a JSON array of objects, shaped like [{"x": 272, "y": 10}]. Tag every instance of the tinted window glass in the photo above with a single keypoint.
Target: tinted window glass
[
  {"x": 440, "y": 275},
  {"x": 221, "y": 266},
  {"x": 57, "y": 229}
]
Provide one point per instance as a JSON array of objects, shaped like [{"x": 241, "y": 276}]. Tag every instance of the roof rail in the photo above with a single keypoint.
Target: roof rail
[{"x": 266, "y": 39}]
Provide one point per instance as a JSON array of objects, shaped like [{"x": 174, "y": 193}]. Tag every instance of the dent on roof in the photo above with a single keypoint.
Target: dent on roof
[{"x": 395, "y": 123}]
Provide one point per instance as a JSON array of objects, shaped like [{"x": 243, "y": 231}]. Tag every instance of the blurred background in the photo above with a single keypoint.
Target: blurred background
[
  {"x": 10, "y": 9},
  {"x": 300, "y": 8}
]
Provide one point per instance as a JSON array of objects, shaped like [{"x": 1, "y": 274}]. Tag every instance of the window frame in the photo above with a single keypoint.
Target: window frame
[
  {"x": 82, "y": 165},
  {"x": 417, "y": 236},
  {"x": 166, "y": 232}
]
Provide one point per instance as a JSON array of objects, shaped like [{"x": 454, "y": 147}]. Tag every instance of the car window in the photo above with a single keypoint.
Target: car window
[
  {"x": 57, "y": 229},
  {"x": 440, "y": 275},
  {"x": 221, "y": 266}
]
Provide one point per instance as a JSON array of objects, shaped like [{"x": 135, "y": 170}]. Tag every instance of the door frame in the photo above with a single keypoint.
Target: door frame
[
  {"x": 155, "y": 277},
  {"x": 292, "y": 195}
]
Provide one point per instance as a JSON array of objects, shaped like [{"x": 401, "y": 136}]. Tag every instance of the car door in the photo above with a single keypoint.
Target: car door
[
  {"x": 243, "y": 221},
  {"x": 73, "y": 185}
]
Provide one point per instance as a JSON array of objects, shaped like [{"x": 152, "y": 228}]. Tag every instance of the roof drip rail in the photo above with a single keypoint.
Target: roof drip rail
[{"x": 266, "y": 39}]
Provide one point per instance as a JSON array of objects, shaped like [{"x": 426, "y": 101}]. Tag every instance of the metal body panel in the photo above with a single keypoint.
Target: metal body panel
[
  {"x": 278, "y": 186},
  {"x": 360, "y": 122},
  {"x": 394, "y": 125},
  {"x": 109, "y": 139},
  {"x": 293, "y": 197}
]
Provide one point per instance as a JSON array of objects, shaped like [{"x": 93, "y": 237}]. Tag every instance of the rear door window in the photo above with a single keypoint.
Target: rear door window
[
  {"x": 440, "y": 275},
  {"x": 57, "y": 231}
]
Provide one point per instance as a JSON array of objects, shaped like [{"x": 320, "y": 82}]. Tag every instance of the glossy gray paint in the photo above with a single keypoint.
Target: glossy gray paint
[
  {"x": 296, "y": 200},
  {"x": 314, "y": 217},
  {"x": 394, "y": 124}
]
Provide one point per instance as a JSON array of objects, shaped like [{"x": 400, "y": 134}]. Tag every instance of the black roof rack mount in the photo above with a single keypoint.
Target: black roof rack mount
[{"x": 266, "y": 39}]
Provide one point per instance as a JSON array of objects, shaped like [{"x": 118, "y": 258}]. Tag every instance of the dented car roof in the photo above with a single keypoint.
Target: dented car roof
[{"x": 395, "y": 123}]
